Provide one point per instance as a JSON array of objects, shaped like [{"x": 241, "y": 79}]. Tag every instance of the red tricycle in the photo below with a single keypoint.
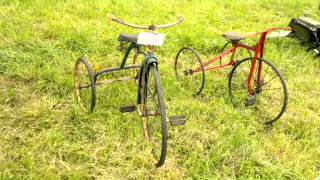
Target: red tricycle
[{"x": 253, "y": 81}]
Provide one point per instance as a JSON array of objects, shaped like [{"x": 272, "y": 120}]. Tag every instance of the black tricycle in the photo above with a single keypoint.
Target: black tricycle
[{"x": 150, "y": 103}]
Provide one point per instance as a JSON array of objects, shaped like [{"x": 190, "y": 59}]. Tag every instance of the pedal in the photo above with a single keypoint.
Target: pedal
[
  {"x": 129, "y": 108},
  {"x": 177, "y": 120},
  {"x": 251, "y": 100}
]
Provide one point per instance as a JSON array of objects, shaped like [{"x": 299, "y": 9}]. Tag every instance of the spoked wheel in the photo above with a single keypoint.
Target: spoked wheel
[
  {"x": 240, "y": 54},
  {"x": 85, "y": 88},
  {"x": 189, "y": 70},
  {"x": 137, "y": 59},
  {"x": 270, "y": 94},
  {"x": 154, "y": 115}
]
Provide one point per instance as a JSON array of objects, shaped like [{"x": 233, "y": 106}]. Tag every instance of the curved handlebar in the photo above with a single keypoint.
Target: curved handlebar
[{"x": 151, "y": 27}]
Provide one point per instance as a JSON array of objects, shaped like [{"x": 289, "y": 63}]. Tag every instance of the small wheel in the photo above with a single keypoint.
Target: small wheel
[
  {"x": 240, "y": 54},
  {"x": 190, "y": 70},
  {"x": 270, "y": 94},
  {"x": 154, "y": 115},
  {"x": 84, "y": 83}
]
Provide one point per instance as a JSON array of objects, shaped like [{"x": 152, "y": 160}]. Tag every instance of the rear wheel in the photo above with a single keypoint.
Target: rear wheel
[
  {"x": 154, "y": 115},
  {"x": 84, "y": 83},
  {"x": 270, "y": 94},
  {"x": 190, "y": 70}
]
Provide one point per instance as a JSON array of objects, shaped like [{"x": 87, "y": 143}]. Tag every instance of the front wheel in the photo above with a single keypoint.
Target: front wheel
[
  {"x": 189, "y": 70},
  {"x": 154, "y": 115},
  {"x": 270, "y": 94}
]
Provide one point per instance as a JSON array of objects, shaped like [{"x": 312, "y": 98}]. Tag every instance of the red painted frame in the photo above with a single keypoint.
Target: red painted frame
[{"x": 258, "y": 50}]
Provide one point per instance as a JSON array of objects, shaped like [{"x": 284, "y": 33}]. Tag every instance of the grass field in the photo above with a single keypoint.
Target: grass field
[{"x": 45, "y": 136}]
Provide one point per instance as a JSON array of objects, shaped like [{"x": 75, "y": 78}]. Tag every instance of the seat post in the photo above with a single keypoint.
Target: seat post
[
  {"x": 234, "y": 42},
  {"x": 125, "y": 57}
]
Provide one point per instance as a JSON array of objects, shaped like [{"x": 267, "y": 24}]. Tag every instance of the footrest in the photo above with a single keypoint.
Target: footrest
[
  {"x": 128, "y": 108},
  {"x": 177, "y": 120},
  {"x": 251, "y": 100}
]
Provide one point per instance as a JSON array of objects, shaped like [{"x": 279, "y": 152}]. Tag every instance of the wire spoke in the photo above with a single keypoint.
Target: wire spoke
[
  {"x": 153, "y": 97},
  {"x": 274, "y": 77},
  {"x": 266, "y": 73},
  {"x": 272, "y": 89}
]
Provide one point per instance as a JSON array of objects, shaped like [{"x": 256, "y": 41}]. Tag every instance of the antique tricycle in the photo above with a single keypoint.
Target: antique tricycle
[
  {"x": 253, "y": 81},
  {"x": 150, "y": 102}
]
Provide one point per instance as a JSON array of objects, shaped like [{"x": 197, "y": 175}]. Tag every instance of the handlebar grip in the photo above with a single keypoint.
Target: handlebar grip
[
  {"x": 111, "y": 16},
  {"x": 180, "y": 17},
  {"x": 114, "y": 18}
]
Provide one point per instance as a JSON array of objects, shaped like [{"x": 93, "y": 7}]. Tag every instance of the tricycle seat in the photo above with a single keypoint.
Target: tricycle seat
[
  {"x": 233, "y": 36},
  {"x": 128, "y": 38}
]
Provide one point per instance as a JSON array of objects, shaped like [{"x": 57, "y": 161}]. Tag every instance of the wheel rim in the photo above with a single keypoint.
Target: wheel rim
[
  {"x": 83, "y": 85},
  {"x": 270, "y": 93},
  {"x": 154, "y": 113},
  {"x": 186, "y": 61}
]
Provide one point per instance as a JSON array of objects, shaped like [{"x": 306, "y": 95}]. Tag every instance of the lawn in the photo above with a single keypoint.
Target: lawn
[{"x": 44, "y": 135}]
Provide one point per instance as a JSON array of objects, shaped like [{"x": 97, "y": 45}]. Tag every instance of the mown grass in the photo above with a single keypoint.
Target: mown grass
[{"x": 45, "y": 136}]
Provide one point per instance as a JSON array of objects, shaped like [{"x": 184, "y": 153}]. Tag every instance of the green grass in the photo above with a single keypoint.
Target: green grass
[{"x": 45, "y": 136}]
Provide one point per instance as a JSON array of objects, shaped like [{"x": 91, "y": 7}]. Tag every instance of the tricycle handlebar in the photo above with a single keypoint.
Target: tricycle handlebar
[{"x": 151, "y": 27}]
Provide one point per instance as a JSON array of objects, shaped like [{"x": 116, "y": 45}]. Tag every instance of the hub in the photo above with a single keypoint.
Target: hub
[{"x": 188, "y": 72}]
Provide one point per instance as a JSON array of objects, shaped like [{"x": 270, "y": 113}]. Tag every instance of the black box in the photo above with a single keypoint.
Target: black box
[{"x": 307, "y": 30}]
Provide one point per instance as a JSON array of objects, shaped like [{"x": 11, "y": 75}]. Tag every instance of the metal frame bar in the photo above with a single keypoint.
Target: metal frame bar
[{"x": 104, "y": 71}]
